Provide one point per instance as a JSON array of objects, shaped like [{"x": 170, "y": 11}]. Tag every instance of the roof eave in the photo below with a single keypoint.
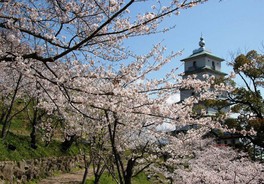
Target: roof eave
[
  {"x": 202, "y": 54},
  {"x": 205, "y": 69}
]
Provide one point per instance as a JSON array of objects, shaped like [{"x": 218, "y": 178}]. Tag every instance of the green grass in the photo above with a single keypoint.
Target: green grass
[
  {"x": 140, "y": 179},
  {"x": 105, "y": 179},
  {"x": 19, "y": 137},
  {"x": 23, "y": 150}
]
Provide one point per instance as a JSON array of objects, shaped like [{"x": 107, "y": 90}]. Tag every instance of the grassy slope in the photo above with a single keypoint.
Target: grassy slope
[
  {"x": 19, "y": 137},
  {"x": 23, "y": 150}
]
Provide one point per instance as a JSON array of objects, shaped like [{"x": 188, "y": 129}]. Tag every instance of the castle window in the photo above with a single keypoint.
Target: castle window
[
  {"x": 194, "y": 64},
  {"x": 213, "y": 65}
]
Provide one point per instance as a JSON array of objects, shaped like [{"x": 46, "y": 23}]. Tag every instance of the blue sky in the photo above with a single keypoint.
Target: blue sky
[{"x": 229, "y": 26}]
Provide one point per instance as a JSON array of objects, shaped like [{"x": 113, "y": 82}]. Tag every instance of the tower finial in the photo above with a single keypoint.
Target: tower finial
[{"x": 202, "y": 42}]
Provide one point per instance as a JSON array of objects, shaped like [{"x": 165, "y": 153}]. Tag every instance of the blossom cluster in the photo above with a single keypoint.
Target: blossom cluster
[{"x": 68, "y": 57}]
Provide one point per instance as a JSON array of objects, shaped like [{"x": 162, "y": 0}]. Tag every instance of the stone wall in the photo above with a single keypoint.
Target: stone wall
[{"x": 23, "y": 171}]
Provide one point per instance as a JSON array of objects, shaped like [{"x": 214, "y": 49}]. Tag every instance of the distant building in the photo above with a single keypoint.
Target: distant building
[
  {"x": 199, "y": 63},
  {"x": 225, "y": 138}
]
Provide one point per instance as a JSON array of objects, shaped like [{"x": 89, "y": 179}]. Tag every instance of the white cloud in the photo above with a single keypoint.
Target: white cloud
[{"x": 173, "y": 98}]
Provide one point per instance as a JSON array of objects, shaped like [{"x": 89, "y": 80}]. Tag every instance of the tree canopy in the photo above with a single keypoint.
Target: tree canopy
[
  {"x": 248, "y": 99},
  {"x": 66, "y": 60}
]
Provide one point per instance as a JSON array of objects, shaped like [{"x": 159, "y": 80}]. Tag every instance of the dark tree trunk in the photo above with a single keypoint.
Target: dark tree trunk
[
  {"x": 2, "y": 117},
  {"x": 87, "y": 165},
  {"x": 68, "y": 143},
  {"x": 85, "y": 174},
  {"x": 7, "y": 121},
  {"x": 33, "y": 141},
  {"x": 96, "y": 178},
  {"x": 129, "y": 171}
]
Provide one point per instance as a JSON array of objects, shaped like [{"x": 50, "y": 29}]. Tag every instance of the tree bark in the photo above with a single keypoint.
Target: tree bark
[
  {"x": 68, "y": 143},
  {"x": 129, "y": 171},
  {"x": 7, "y": 121}
]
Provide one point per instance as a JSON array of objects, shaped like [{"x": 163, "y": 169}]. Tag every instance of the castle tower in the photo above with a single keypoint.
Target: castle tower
[{"x": 199, "y": 63}]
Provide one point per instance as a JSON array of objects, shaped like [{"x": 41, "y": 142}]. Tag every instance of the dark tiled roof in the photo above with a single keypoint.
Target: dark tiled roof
[
  {"x": 204, "y": 69},
  {"x": 202, "y": 52}
]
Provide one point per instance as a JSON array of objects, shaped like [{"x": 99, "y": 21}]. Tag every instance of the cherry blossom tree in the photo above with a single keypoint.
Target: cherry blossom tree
[
  {"x": 100, "y": 90},
  {"x": 13, "y": 85},
  {"x": 76, "y": 31},
  {"x": 221, "y": 165},
  {"x": 130, "y": 117},
  {"x": 9, "y": 92},
  {"x": 65, "y": 28}
]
